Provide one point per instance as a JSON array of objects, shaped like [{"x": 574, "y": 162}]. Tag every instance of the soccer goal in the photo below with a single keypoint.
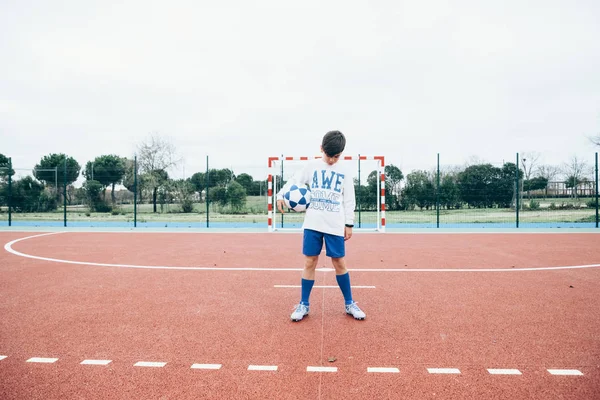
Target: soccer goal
[{"x": 369, "y": 184}]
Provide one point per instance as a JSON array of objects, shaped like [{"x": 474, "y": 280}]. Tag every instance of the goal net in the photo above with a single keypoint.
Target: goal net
[{"x": 369, "y": 184}]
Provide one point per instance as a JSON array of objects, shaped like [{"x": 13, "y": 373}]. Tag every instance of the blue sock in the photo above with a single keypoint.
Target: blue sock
[
  {"x": 344, "y": 283},
  {"x": 307, "y": 286}
]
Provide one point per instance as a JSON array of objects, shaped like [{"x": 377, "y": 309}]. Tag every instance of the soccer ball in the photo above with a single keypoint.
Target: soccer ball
[{"x": 297, "y": 198}]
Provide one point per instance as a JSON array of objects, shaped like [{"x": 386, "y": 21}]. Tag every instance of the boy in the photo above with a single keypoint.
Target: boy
[{"x": 329, "y": 217}]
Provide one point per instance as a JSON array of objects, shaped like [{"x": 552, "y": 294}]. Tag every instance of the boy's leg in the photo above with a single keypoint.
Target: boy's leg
[
  {"x": 343, "y": 278},
  {"x": 311, "y": 248},
  {"x": 308, "y": 278}
]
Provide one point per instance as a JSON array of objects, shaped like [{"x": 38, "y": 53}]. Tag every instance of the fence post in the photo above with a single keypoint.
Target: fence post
[
  {"x": 437, "y": 194},
  {"x": 207, "y": 181},
  {"x": 10, "y": 192},
  {"x": 135, "y": 191},
  {"x": 65, "y": 193},
  {"x": 281, "y": 186},
  {"x": 517, "y": 190},
  {"x": 596, "y": 189},
  {"x": 359, "y": 191}
]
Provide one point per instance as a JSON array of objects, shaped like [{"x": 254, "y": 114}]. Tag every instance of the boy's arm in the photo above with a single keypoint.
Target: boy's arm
[
  {"x": 300, "y": 178},
  {"x": 349, "y": 199}
]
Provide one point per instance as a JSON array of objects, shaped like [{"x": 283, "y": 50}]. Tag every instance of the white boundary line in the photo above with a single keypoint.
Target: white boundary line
[
  {"x": 42, "y": 360},
  {"x": 206, "y": 366},
  {"x": 152, "y": 364},
  {"x": 567, "y": 372},
  {"x": 499, "y": 371},
  {"x": 96, "y": 362},
  {"x": 8, "y": 248},
  {"x": 383, "y": 370},
  {"x": 323, "y": 287},
  {"x": 262, "y": 367}
]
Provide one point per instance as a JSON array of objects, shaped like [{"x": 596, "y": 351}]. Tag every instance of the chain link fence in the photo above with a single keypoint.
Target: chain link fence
[{"x": 508, "y": 193}]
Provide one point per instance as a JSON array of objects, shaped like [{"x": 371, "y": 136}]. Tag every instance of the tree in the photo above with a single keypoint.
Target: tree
[
  {"x": 92, "y": 189},
  {"x": 419, "y": 191},
  {"x": 575, "y": 170},
  {"x": 548, "y": 172},
  {"x": 236, "y": 196},
  {"x": 28, "y": 196},
  {"x": 108, "y": 170},
  {"x": 529, "y": 162},
  {"x": 156, "y": 156},
  {"x": 393, "y": 178},
  {"x": 247, "y": 183},
  {"x": 5, "y": 169},
  {"x": 198, "y": 181},
  {"x": 448, "y": 193},
  {"x": 50, "y": 170}
]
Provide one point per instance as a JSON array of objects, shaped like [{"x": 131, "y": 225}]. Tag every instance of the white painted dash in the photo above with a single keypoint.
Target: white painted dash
[
  {"x": 3, "y": 357},
  {"x": 501, "y": 371},
  {"x": 443, "y": 370},
  {"x": 573, "y": 372},
  {"x": 262, "y": 367},
  {"x": 42, "y": 360},
  {"x": 321, "y": 369},
  {"x": 96, "y": 362},
  {"x": 206, "y": 366},
  {"x": 383, "y": 370},
  {"x": 149, "y": 364}
]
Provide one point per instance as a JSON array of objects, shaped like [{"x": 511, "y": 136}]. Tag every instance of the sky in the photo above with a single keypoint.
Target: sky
[{"x": 240, "y": 81}]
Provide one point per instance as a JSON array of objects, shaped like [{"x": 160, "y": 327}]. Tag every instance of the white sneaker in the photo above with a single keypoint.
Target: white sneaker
[
  {"x": 355, "y": 311},
  {"x": 299, "y": 313}
]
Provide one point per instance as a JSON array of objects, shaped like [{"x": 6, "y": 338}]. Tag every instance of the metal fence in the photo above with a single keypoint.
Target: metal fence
[{"x": 506, "y": 194}]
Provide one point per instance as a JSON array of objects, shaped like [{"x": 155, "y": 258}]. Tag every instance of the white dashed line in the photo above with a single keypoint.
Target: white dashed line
[
  {"x": 321, "y": 369},
  {"x": 42, "y": 360},
  {"x": 206, "y": 366},
  {"x": 96, "y": 362},
  {"x": 3, "y": 357},
  {"x": 383, "y": 370},
  {"x": 574, "y": 372},
  {"x": 443, "y": 370},
  {"x": 149, "y": 364},
  {"x": 262, "y": 367},
  {"x": 499, "y": 371}
]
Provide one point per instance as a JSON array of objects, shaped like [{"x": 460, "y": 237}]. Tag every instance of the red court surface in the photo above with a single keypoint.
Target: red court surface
[{"x": 449, "y": 316}]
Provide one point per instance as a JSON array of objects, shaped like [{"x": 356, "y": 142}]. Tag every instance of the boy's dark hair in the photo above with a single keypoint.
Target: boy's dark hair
[{"x": 334, "y": 143}]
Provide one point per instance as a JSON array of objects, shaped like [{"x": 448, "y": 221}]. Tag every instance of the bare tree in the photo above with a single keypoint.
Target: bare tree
[
  {"x": 550, "y": 172},
  {"x": 156, "y": 156},
  {"x": 575, "y": 171}
]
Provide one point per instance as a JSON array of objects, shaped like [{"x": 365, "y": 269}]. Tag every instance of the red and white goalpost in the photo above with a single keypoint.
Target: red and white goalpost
[{"x": 275, "y": 174}]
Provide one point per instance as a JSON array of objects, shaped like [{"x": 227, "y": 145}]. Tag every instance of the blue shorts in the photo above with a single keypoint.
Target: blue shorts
[{"x": 312, "y": 244}]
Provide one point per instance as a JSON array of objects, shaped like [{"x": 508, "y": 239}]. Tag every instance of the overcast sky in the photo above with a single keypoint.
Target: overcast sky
[{"x": 242, "y": 80}]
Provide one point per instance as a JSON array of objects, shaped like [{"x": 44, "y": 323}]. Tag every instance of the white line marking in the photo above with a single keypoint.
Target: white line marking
[
  {"x": 383, "y": 370},
  {"x": 8, "y": 247},
  {"x": 321, "y": 369},
  {"x": 42, "y": 360},
  {"x": 149, "y": 364},
  {"x": 262, "y": 367},
  {"x": 95, "y": 362},
  {"x": 3, "y": 357},
  {"x": 499, "y": 371},
  {"x": 573, "y": 372},
  {"x": 443, "y": 370},
  {"x": 206, "y": 366},
  {"x": 323, "y": 287}
]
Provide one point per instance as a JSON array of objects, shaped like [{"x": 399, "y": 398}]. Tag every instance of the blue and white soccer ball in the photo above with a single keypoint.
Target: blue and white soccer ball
[{"x": 297, "y": 198}]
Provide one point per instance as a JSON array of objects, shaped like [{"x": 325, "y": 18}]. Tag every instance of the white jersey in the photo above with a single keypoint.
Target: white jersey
[{"x": 332, "y": 195}]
